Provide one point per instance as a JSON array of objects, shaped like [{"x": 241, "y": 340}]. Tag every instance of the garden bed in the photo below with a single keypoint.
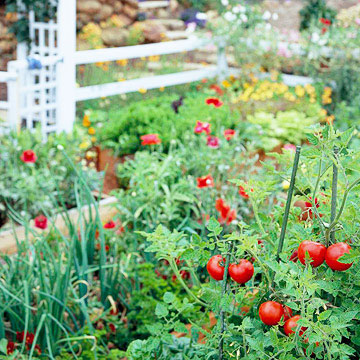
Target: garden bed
[{"x": 10, "y": 238}]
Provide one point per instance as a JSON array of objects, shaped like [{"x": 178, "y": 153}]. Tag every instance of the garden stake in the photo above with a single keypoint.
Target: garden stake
[
  {"x": 333, "y": 197},
  {"x": 288, "y": 202},
  {"x": 222, "y": 318}
]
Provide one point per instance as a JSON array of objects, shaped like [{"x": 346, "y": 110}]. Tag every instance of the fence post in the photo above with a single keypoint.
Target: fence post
[
  {"x": 222, "y": 65},
  {"x": 13, "y": 97},
  {"x": 66, "y": 70}
]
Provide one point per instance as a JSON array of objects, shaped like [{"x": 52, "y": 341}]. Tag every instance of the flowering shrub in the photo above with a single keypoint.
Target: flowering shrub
[
  {"x": 166, "y": 116},
  {"x": 35, "y": 175}
]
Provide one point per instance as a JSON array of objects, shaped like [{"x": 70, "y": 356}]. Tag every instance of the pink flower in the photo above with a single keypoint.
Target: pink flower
[
  {"x": 205, "y": 181},
  {"x": 289, "y": 147},
  {"x": 28, "y": 156},
  {"x": 214, "y": 101},
  {"x": 229, "y": 134},
  {"x": 201, "y": 127},
  {"x": 150, "y": 139},
  {"x": 41, "y": 222},
  {"x": 213, "y": 142}
]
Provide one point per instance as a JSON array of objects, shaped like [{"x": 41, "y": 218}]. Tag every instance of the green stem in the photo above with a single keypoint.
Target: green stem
[
  {"x": 342, "y": 207},
  {"x": 186, "y": 288},
  {"x": 263, "y": 268},
  {"x": 258, "y": 221}
]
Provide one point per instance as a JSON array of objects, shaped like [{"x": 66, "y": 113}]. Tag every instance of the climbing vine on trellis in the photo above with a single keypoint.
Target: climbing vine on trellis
[{"x": 44, "y": 10}]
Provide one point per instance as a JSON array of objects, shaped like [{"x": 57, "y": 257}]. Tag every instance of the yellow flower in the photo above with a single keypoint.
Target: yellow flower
[
  {"x": 84, "y": 145},
  {"x": 285, "y": 185},
  {"x": 121, "y": 79},
  {"x": 86, "y": 120},
  {"x": 142, "y": 91},
  {"x": 123, "y": 62},
  {"x": 232, "y": 78},
  {"x": 91, "y": 131},
  {"x": 309, "y": 89},
  {"x": 323, "y": 112},
  {"x": 93, "y": 139},
  {"x": 162, "y": 88},
  {"x": 299, "y": 91},
  {"x": 154, "y": 58},
  {"x": 226, "y": 84}
]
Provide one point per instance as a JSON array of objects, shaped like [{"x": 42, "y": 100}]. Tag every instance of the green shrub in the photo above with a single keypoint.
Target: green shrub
[
  {"x": 30, "y": 188},
  {"x": 313, "y": 11},
  {"x": 124, "y": 127}
]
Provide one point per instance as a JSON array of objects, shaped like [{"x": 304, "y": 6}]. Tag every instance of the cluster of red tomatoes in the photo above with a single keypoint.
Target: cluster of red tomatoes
[
  {"x": 241, "y": 272},
  {"x": 318, "y": 253},
  {"x": 271, "y": 312}
]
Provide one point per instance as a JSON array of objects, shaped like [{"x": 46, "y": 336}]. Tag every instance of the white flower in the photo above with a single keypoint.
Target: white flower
[
  {"x": 267, "y": 15},
  {"x": 244, "y": 18},
  {"x": 229, "y": 16},
  {"x": 275, "y": 16},
  {"x": 315, "y": 37},
  {"x": 201, "y": 16},
  {"x": 268, "y": 26},
  {"x": 60, "y": 147},
  {"x": 225, "y": 2}
]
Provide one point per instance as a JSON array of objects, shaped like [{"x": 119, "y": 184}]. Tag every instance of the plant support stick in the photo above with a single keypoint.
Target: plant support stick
[
  {"x": 333, "y": 197},
  {"x": 288, "y": 203},
  {"x": 222, "y": 314}
]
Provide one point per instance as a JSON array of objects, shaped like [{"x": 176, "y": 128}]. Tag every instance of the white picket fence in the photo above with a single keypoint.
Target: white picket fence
[{"x": 48, "y": 95}]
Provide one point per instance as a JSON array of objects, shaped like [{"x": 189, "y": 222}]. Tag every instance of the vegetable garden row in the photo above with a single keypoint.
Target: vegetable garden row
[{"x": 229, "y": 229}]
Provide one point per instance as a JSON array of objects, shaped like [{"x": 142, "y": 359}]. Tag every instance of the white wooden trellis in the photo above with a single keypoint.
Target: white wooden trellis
[{"x": 48, "y": 96}]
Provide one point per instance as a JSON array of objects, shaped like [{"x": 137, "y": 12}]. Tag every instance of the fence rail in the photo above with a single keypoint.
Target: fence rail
[
  {"x": 148, "y": 83},
  {"x": 138, "y": 51}
]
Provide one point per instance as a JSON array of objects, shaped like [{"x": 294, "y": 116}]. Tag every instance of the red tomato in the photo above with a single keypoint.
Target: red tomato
[
  {"x": 334, "y": 252},
  {"x": 271, "y": 312},
  {"x": 294, "y": 256},
  {"x": 215, "y": 270},
  {"x": 291, "y": 325},
  {"x": 315, "y": 250},
  {"x": 241, "y": 272},
  {"x": 287, "y": 313}
]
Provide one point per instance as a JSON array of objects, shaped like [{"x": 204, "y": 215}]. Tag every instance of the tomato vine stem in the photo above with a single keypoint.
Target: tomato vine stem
[{"x": 178, "y": 276}]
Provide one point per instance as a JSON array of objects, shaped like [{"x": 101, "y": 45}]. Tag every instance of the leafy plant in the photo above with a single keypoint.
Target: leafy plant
[
  {"x": 29, "y": 188},
  {"x": 313, "y": 10},
  {"x": 327, "y": 324}
]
